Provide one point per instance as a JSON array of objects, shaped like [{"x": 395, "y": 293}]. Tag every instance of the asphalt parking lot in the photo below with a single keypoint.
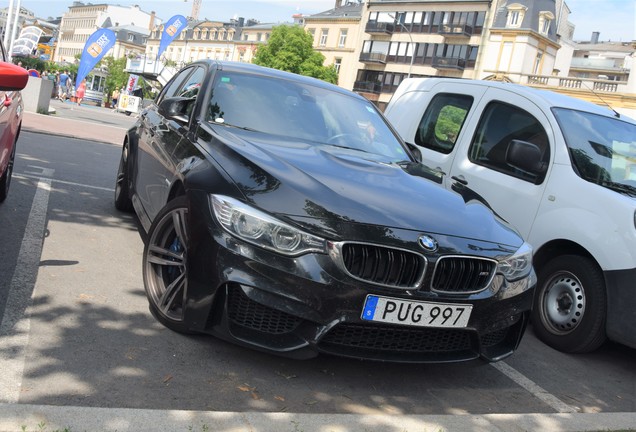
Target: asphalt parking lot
[{"x": 80, "y": 349}]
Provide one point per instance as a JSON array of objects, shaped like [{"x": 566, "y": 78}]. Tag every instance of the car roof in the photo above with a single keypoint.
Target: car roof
[{"x": 250, "y": 68}]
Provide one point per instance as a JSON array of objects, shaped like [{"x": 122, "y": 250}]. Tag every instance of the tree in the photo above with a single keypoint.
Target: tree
[
  {"x": 289, "y": 48},
  {"x": 117, "y": 77}
]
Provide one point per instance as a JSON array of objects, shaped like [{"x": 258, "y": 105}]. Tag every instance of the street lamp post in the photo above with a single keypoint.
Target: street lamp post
[{"x": 412, "y": 44}]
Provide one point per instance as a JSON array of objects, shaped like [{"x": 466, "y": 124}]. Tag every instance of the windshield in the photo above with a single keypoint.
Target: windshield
[
  {"x": 602, "y": 149},
  {"x": 301, "y": 111}
]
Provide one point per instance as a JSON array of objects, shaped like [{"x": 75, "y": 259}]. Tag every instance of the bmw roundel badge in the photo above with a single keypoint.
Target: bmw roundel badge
[{"x": 428, "y": 243}]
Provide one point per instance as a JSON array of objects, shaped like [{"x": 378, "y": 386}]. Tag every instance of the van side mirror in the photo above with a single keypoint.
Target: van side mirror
[{"x": 527, "y": 157}]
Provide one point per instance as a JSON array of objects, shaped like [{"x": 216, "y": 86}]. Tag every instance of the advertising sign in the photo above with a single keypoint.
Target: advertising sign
[
  {"x": 170, "y": 31},
  {"x": 95, "y": 48}
]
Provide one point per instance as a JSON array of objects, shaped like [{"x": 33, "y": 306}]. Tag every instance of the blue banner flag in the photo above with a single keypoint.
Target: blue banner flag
[
  {"x": 96, "y": 47},
  {"x": 171, "y": 30}
]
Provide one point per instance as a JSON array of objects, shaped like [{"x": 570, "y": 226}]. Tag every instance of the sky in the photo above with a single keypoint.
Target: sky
[{"x": 615, "y": 20}]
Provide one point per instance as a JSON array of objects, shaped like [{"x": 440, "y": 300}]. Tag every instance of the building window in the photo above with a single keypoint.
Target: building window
[
  {"x": 131, "y": 37},
  {"x": 312, "y": 32},
  {"x": 336, "y": 64},
  {"x": 537, "y": 63},
  {"x": 259, "y": 36},
  {"x": 323, "y": 37},
  {"x": 513, "y": 19},
  {"x": 545, "y": 19},
  {"x": 343, "y": 38},
  {"x": 516, "y": 13}
]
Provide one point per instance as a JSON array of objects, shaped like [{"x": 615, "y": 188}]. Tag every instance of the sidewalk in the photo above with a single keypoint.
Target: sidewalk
[
  {"x": 60, "y": 125},
  {"x": 32, "y": 418}
]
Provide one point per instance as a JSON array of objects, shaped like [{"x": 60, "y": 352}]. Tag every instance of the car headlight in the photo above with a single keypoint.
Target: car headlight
[
  {"x": 261, "y": 229},
  {"x": 518, "y": 265}
]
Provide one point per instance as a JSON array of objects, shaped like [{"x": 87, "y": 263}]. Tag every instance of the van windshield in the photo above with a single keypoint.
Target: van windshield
[{"x": 602, "y": 149}]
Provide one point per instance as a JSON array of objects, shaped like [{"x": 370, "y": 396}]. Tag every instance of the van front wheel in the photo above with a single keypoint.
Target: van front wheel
[{"x": 570, "y": 304}]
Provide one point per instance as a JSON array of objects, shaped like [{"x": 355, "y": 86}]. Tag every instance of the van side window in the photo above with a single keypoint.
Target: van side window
[
  {"x": 499, "y": 125},
  {"x": 442, "y": 122}
]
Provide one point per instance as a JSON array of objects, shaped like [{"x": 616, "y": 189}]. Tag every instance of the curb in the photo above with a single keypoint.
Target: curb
[{"x": 17, "y": 417}]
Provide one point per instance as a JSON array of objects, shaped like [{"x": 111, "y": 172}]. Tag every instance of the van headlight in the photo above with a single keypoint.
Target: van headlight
[
  {"x": 261, "y": 229},
  {"x": 518, "y": 265}
]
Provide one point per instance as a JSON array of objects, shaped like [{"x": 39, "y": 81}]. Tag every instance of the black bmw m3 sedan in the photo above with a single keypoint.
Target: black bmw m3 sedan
[{"x": 285, "y": 214}]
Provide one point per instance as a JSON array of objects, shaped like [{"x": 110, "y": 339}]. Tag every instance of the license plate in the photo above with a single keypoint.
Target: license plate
[{"x": 415, "y": 313}]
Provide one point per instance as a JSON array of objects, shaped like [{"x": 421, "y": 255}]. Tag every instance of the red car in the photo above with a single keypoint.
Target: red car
[{"x": 12, "y": 79}]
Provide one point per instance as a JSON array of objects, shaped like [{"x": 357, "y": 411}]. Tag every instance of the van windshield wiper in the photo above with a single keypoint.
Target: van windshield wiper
[{"x": 619, "y": 187}]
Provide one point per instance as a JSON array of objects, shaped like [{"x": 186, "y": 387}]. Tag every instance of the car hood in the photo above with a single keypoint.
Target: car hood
[{"x": 307, "y": 181}]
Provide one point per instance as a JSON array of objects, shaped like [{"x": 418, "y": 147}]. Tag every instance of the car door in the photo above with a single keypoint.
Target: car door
[
  {"x": 158, "y": 139},
  {"x": 480, "y": 168},
  {"x": 7, "y": 118}
]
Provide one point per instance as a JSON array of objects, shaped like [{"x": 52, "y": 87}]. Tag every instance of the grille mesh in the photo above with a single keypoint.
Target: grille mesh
[
  {"x": 462, "y": 274},
  {"x": 247, "y": 313},
  {"x": 384, "y": 266},
  {"x": 398, "y": 339}
]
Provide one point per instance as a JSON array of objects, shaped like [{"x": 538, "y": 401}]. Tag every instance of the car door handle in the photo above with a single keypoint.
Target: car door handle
[{"x": 460, "y": 179}]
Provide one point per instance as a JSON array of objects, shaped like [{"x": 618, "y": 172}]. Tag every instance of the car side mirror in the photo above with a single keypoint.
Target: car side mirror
[
  {"x": 175, "y": 108},
  {"x": 415, "y": 151},
  {"x": 527, "y": 157},
  {"x": 12, "y": 77}
]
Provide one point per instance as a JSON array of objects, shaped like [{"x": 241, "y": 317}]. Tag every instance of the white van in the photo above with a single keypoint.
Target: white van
[{"x": 559, "y": 169}]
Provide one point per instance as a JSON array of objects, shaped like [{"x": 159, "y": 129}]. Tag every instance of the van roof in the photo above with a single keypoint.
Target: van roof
[{"x": 549, "y": 98}]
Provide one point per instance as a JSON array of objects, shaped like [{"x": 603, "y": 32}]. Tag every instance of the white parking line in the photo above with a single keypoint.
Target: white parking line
[
  {"x": 16, "y": 322},
  {"x": 533, "y": 388},
  {"x": 28, "y": 176}
]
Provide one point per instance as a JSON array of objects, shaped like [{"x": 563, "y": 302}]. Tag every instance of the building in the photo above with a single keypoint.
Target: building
[
  {"x": 236, "y": 40},
  {"x": 82, "y": 20},
  {"x": 336, "y": 34},
  {"x": 602, "y": 60},
  {"x": 131, "y": 40},
  {"x": 24, "y": 16},
  {"x": 521, "y": 39},
  {"x": 384, "y": 41}
]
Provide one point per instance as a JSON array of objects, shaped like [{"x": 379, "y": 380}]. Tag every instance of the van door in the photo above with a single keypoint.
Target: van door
[
  {"x": 434, "y": 119},
  {"x": 480, "y": 164}
]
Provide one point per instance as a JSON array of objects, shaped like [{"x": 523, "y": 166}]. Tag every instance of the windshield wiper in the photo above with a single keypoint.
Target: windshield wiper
[
  {"x": 619, "y": 187},
  {"x": 349, "y": 148},
  {"x": 232, "y": 126}
]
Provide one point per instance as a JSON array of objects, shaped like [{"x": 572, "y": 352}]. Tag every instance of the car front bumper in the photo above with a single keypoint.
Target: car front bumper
[{"x": 302, "y": 306}]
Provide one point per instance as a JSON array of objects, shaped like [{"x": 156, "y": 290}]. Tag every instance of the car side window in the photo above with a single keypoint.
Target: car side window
[
  {"x": 499, "y": 125},
  {"x": 191, "y": 87},
  {"x": 442, "y": 122},
  {"x": 175, "y": 85}
]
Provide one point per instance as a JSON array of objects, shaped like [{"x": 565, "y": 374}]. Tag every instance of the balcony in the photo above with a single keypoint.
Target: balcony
[
  {"x": 367, "y": 87},
  {"x": 375, "y": 58},
  {"x": 379, "y": 28},
  {"x": 449, "y": 63},
  {"x": 456, "y": 30}
]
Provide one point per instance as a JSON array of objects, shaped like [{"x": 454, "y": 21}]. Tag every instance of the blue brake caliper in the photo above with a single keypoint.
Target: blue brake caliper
[{"x": 175, "y": 247}]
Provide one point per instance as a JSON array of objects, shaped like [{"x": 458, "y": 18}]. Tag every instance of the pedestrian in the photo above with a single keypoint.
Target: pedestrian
[
  {"x": 115, "y": 97},
  {"x": 63, "y": 82},
  {"x": 80, "y": 91}
]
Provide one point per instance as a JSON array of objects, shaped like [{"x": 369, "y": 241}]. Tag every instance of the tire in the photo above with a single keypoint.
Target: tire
[
  {"x": 570, "y": 305},
  {"x": 165, "y": 263},
  {"x": 122, "y": 184},
  {"x": 5, "y": 181}
]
